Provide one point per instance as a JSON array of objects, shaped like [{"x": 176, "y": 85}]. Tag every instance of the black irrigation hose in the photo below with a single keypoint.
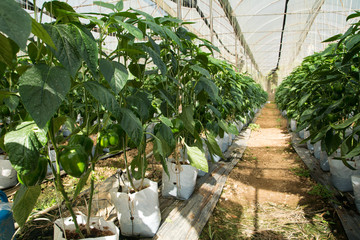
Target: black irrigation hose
[{"x": 282, "y": 35}]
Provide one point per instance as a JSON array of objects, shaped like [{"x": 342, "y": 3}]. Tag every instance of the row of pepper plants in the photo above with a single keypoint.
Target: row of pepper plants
[
  {"x": 158, "y": 74},
  {"x": 322, "y": 95}
]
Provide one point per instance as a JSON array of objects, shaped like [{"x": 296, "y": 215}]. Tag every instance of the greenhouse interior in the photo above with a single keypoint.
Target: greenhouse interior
[{"x": 179, "y": 119}]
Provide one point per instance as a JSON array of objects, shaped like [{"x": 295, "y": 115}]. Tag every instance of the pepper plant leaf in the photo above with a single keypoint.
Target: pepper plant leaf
[
  {"x": 115, "y": 74},
  {"x": 42, "y": 90},
  {"x": 187, "y": 117},
  {"x": 66, "y": 49},
  {"x": 197, "y": 158},
  {"x": 23, "y": 145},
  {"x": 24, "y": 202},
  {"x": 15, "y": 22},
  {"x": 104, "y": 97},
  {"x": 346, "y": 123},
  {"x": 38, "y": 30},
  {"x": 131, "y": 125},
  {"x": 213, "y": 146},
  {"x": 130, "y": 28},
  {"x": 8, "y": 50}
]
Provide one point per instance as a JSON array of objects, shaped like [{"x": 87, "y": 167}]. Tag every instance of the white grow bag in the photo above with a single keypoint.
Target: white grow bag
[
  {"x": 302, "y": 134},
  {"x": 355, "y": 179},
  {"x": 8, "y": 177},
  {"x": 308, "y": 143},
  {"x": 317, "y": 149},
  {"x": 138, "y": 213},
  {"x": 324, "y": 163},
  {"x": 341, "y": 175},
  {"x": 293, "y": 125},
  {"x": 181, "y": 182},
  {"x": 96, "y": 222}
]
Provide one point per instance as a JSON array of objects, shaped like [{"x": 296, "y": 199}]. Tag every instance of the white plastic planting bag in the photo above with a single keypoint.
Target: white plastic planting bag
[
  {"x": 309, "y": 145},
  {"x": 355, "y": 179},
  {"x": 96, "y": 222},
  {"x": 239, "y": 126},
  {"x": 181, "y": 182},
  {"x": 324, "y": 163},
  {"x": 293, "y": 125},
  {"x": 138, "y": 213},
  {"x": 317, "y": 149},
  {"x": 341, "y": 175},
  {"x": 302, "y": 134},
  {"x": 8, "y": 177}
]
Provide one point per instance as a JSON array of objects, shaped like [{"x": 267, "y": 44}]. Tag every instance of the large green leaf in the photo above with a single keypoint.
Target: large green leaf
[
  {"x": 159, "y": 154},
  {"x": 104, "y": 4},
  {"x": 156, "y": 59},
  {"x": 42, "y": 90},
  {"x": 62, "y": 11},
  {"x": 208, "y": 86},
  {"x": 8, "y": 50},
  {"x": 131, "y": 125},
  {"x": 38, "y": 30},
  {"x": 197, "y": 158},
  {"x": 353, "y": 153},
  {"x": 213, "y": 146},
  {"x": 12, "y": 102},
  {"x": 104, "y": 96},
  {"x": 187, "y": 117},
  {"x": 140, "y": 104},
  {"x": 66, "y": 48},
  {"x": 86, "y": 46},
  {"x": 15, "y": 22},
  {"x": 201, "y": 70},
  {"x": 332, "y": 142},
  {"x": 173, "y": 36},
  {"x": 24, "y": 202},
  {"x": 130, "y": 28},
  {"x": 165, "y": 135},
  {"x": 23, "y": 146},
  {"x": 346, "y": 123},
  {"x": 303, "y": 99},
  {"x": 115, "y": 74}
]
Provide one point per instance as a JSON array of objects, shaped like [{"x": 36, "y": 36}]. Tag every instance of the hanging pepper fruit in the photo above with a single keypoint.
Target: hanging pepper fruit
[
  {"x": 82, "y": 140},
  {"x": 108, "y": 138},
  {"x": 74, "y": 160},
  {"x": 113, "y": 138},
  {"x": 35, "y": 177}
]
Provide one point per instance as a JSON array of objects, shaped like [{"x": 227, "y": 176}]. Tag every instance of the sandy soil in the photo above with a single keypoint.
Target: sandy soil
[{"x": 264, "y": 199}]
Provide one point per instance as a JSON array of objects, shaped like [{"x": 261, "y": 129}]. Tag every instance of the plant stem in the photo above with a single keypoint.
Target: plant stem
[
  {"x": 127, "y": 167},
  {"x": 59, "y": 186},
  {"x": 91, "y": 197}
]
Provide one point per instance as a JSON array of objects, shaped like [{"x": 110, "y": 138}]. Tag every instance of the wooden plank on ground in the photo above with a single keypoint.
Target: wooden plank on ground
[
  {"x": 186, "y": 219},
  {"x": 348, "y": 217}
]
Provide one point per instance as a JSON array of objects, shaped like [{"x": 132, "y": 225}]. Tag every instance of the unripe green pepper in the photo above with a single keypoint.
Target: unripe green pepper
[
  {"x": 82, "y": 140},
  {"x": 74, "y": 160}
]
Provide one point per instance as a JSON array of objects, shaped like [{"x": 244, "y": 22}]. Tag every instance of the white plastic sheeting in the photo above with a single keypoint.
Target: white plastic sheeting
[{"x": 308, "y": 23}]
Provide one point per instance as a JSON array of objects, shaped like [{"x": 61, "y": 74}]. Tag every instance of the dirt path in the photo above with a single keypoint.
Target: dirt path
[{"x": 267, "y": 194}]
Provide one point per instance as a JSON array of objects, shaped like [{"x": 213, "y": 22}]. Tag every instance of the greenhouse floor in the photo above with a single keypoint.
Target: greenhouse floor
[{"x": 269, "y": 194}]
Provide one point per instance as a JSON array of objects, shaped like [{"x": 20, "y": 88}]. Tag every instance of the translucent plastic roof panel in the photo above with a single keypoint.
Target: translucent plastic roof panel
[{"x": 260, "y": 35}]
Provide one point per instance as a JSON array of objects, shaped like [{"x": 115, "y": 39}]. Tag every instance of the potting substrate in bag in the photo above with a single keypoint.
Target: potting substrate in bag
[{"x": 96, "y": 222}]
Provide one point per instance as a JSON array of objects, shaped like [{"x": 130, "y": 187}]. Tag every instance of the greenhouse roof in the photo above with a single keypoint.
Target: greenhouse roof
[{"x": 258, "y": 36}]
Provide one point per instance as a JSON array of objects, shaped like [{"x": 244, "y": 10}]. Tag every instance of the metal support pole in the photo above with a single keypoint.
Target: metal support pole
[
  {"x": 236, "y": 54},
  {"x": 179, "y": 16},
  {"x": 211, "y": 22}
]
